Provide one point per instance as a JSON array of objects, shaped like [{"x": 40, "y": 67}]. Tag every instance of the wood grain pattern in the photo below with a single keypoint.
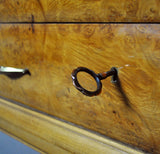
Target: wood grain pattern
[
  {"x": 50, "y": 135},
  {"x": 128, "y": 112},
  {"x": 80, "y": 11}
]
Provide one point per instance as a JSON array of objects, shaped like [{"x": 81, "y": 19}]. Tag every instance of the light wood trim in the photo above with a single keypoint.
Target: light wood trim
[{"x": 51, "y": 135}]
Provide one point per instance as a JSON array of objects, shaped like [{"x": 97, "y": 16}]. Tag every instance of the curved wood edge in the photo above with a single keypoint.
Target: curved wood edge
[{"x": 53, "y": 136}]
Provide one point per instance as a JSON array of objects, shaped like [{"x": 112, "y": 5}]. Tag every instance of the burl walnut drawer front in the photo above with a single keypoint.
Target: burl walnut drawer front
[
  {"x": 128, "y": 111},
  {"x": 79, "y": 11}
]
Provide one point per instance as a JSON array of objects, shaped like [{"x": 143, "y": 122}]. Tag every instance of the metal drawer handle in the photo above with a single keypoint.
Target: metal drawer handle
[
  {"x": 14, "y": 73},
  {"x": 98, "y": 77}
]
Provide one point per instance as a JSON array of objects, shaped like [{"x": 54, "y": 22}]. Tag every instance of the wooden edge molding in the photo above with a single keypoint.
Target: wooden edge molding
[{"x": 49, "y": 135}]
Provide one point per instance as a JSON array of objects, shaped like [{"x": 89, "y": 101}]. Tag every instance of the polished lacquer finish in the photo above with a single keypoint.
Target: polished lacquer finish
[
  {"x": 128, "y": 111},
  {"x": 79, "y": 11}
]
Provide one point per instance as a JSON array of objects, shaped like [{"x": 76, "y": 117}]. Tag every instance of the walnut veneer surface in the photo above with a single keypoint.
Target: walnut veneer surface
[
  {"x": 128, "y": 111},
  {"x": 79, "y": 11}
]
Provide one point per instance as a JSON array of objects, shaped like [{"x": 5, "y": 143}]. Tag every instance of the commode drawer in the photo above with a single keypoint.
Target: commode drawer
[
  {"x": 127, "y": 111},
  {"x": 79, "y": 11}
]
